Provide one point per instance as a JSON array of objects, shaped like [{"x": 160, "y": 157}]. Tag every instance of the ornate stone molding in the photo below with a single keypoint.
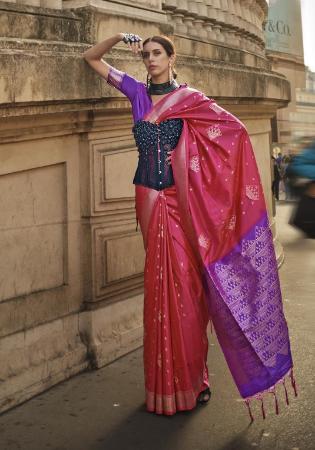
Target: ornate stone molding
[{"x": 233, "y": 22}]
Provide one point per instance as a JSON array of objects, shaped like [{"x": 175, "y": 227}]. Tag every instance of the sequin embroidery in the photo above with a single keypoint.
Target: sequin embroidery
[{"x": 154, "y": 141}]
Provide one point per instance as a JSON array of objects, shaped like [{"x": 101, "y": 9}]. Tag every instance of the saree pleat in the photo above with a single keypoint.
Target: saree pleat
[{"x": 175, "y": 311}]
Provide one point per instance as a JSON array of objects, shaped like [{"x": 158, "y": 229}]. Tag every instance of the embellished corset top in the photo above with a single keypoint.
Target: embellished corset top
[{"x": 154, "y": 141}]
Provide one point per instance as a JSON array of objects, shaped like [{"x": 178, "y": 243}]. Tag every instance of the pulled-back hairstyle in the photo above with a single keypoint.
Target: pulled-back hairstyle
[{"x": 167, "y": 44}]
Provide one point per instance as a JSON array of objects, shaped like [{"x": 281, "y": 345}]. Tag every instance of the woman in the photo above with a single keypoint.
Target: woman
[
  {"x": 209, "y": 249},
  {"x": 284, "y": 169},
  {"x": 276, "y": 178}
]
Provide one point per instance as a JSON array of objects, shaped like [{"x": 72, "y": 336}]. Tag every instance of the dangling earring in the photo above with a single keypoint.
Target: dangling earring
[
  {"x": 170, "y": 73},
  {"x": 148, "y": 81}
]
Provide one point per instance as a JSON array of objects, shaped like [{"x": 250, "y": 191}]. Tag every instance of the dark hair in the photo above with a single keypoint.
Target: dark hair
[{"x": 167, "y": 44}]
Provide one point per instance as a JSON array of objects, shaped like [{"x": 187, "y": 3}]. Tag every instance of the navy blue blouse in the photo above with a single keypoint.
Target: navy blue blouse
[{"x": 153, "y": 142}]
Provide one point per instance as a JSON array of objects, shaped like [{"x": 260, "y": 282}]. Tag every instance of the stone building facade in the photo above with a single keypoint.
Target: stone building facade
[
  {"x": 284, "y": 48},
  {"x": 303, "y": 118},
  {"x": 71, "y": 260}
]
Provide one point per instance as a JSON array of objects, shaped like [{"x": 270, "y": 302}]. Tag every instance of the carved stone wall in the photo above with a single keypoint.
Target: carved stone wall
[
  {"x": 234, "y": 22},
  {"x": 303, "y": 118},
  {"x": 71, "y": 260},
  {"x": 287, "y": 57}
]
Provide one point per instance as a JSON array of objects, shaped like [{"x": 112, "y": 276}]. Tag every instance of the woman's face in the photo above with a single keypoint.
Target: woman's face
[{"x": 156, "y": 60}]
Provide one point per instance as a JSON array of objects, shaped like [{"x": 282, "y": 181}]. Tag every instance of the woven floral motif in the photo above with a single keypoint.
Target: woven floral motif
[
  {"x": 252, "y": 191},
  {"x": 203, "y": 241},
  {"x": 231, "y": 223},
  {"x": 214, "y": 131},
  {"x": 194, "y": 163},
  {"x": 255, "y": 288},
  {"x": 216, "y": 108}
]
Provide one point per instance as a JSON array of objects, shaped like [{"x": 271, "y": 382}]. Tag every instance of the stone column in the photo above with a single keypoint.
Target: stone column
[
  {"x": 219, "y": 20},
  {"x": 189, "y": 18},
  {"x": 199, "y": 21},
  {"x": 211, "y": 22},
  {"x": 179, "y": 15},
  {"x": 178, "y": 19},
  {"x": 228, "y": 20},
  {"x": 234, "y": 22}
]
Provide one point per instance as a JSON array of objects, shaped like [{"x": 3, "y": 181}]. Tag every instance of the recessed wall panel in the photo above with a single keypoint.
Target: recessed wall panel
[{"x": 32, "y": 230}]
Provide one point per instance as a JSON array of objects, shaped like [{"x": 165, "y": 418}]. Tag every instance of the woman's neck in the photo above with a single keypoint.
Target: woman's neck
[
  {"x": 163, "y": 78},
  {"x": 155, "y": 81}
]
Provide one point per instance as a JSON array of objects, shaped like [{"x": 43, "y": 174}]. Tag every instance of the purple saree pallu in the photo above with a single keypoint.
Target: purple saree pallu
[{"x": 246, "y": 309}]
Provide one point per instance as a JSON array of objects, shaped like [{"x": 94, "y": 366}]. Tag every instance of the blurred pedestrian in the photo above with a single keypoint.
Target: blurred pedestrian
[
  {"x": 279, "y": 158},
  {"x": 276, "y": 178},
  {"x": 303, "y": 168},
  {"x": 285, "y": 163}
]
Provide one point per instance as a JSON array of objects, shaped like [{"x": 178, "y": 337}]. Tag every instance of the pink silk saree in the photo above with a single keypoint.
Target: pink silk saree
[{"x": 209, "y": 254}]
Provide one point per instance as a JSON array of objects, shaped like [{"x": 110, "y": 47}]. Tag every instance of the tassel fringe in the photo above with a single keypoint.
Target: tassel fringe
[
  {"x": 286, "y": 393},
  {"x": 249, "y": 411},
  {"x": 276, "y": 402},
  {"x": 293, "y": 383},
  {"x": 262, "y": 408},
  {"x": 272, "y": 390}
]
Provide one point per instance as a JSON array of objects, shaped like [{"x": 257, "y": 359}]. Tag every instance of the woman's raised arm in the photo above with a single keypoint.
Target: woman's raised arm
[{"x": 93, "y": 56}]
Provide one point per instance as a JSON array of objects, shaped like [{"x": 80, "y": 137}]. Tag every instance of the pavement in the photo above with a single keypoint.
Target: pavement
[{"x": 104, "y": 409}]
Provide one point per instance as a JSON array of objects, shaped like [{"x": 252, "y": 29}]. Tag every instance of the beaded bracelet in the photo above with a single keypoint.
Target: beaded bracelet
[{"x": 130, "y": 37}]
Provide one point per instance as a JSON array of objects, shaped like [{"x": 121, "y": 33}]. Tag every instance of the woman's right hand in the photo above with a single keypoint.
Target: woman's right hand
[{"x": 133, "y": 41}]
